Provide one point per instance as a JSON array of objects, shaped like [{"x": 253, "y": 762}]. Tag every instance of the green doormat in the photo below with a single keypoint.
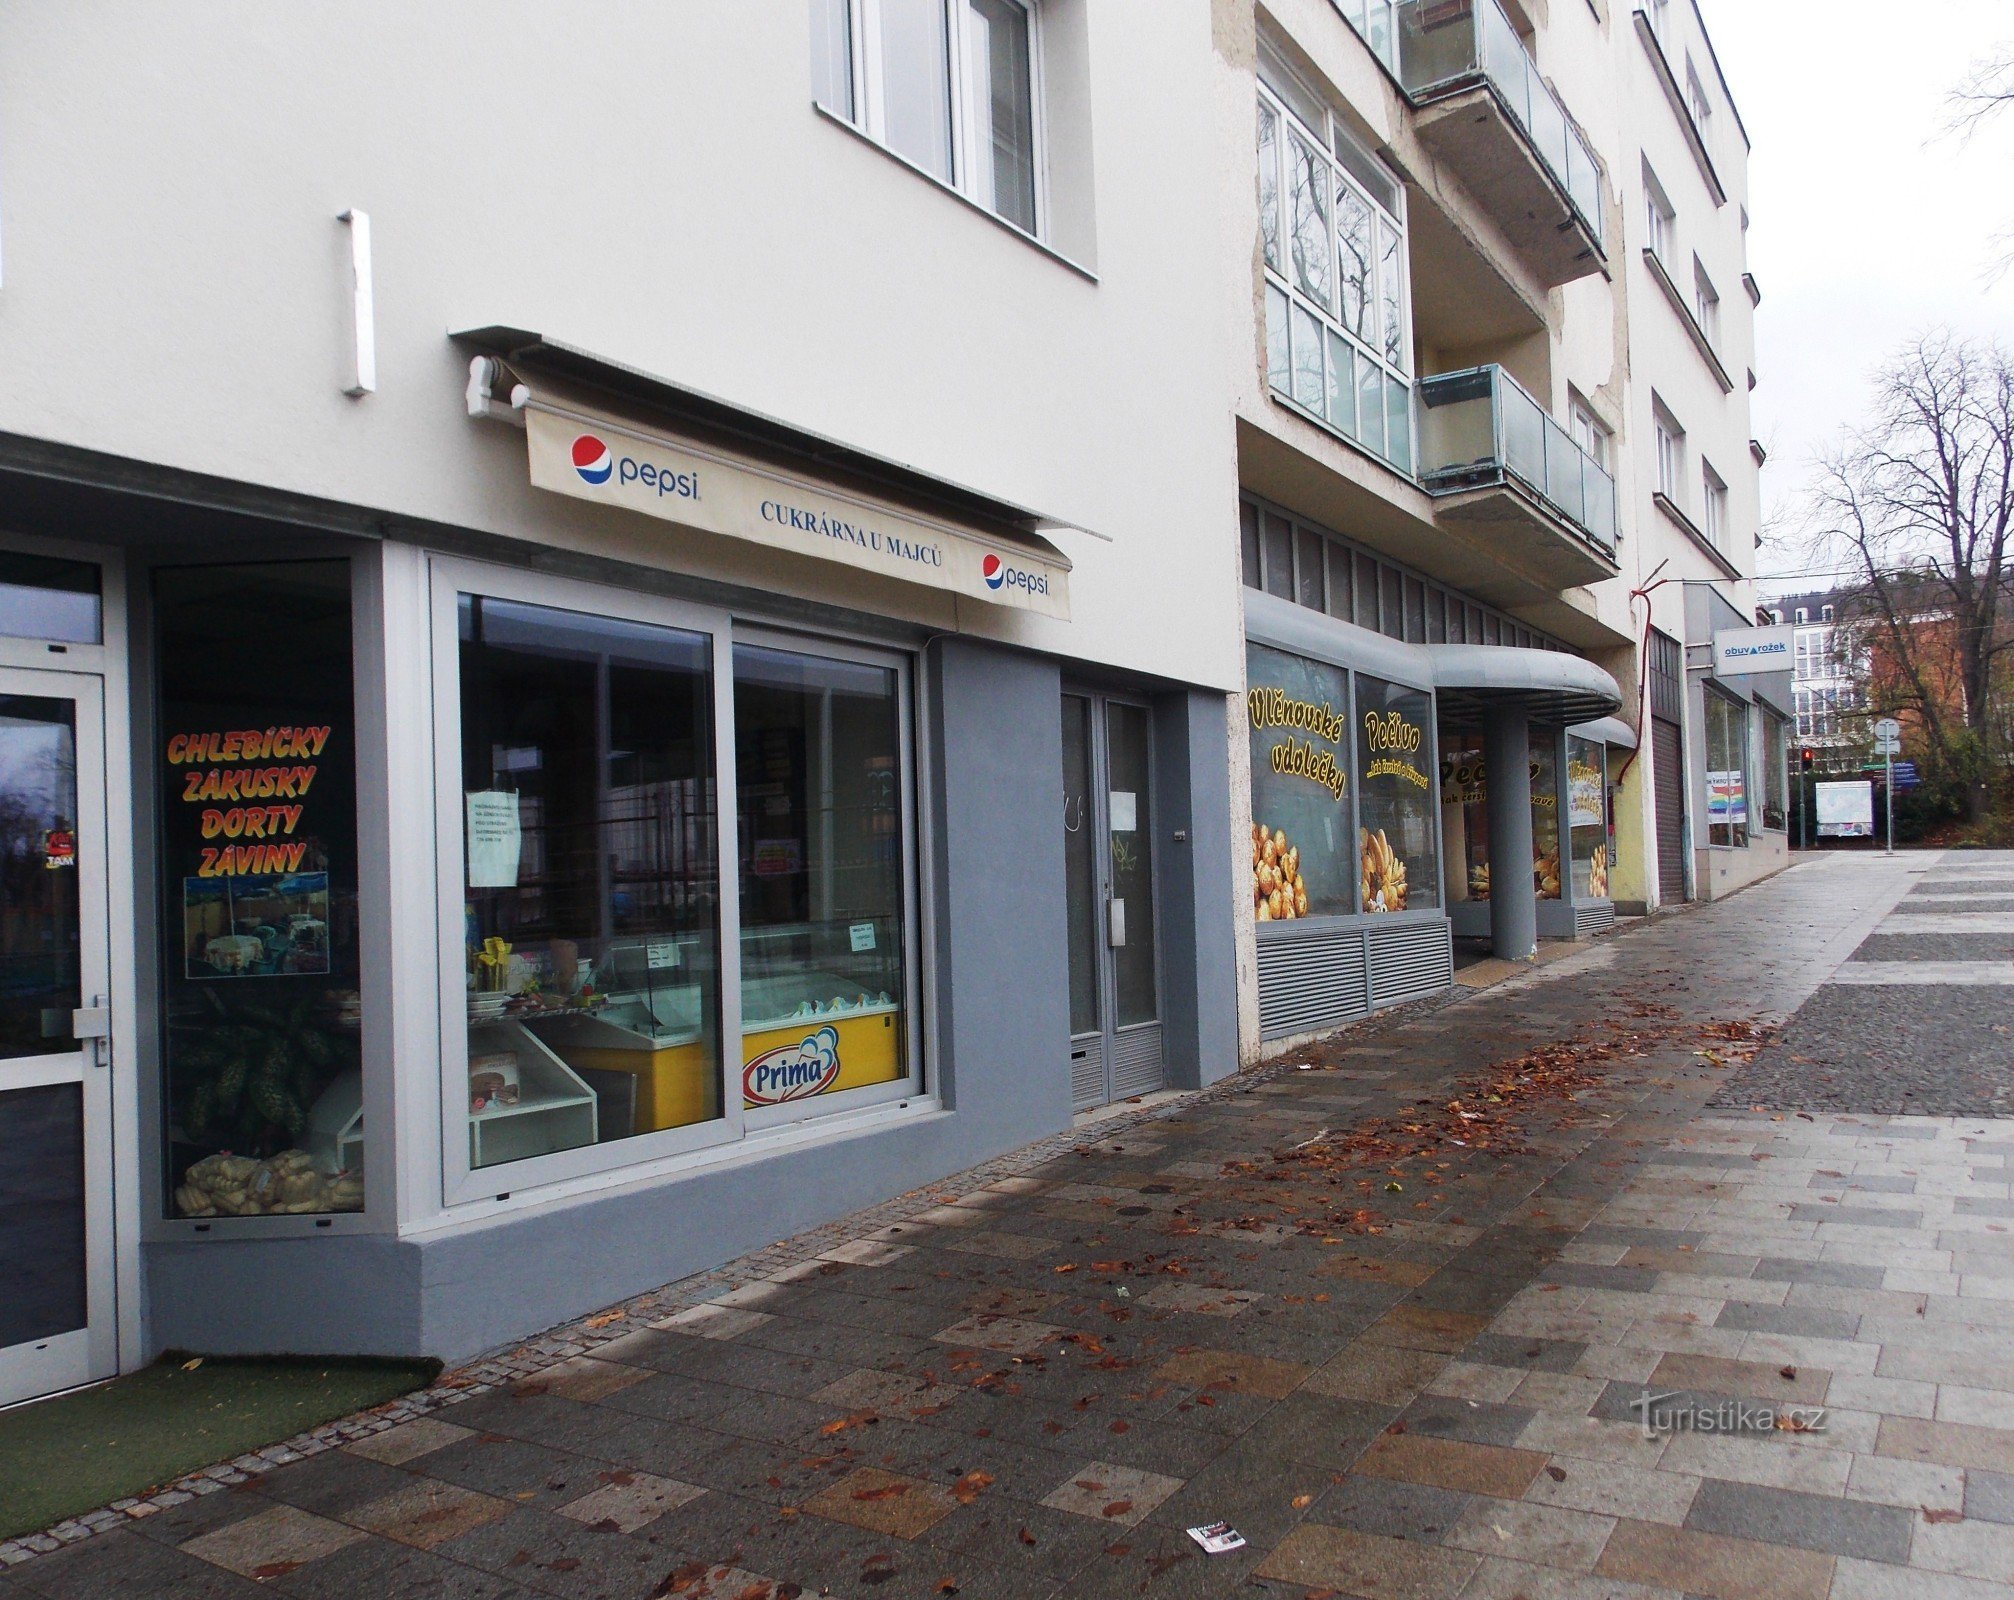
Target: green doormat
[{"x": 62, "y": 1457}]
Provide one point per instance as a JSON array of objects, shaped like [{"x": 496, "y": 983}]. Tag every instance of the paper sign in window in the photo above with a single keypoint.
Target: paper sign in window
[
  {"x": 495, "y": 839},
  {"x": 1125, "y": 811}
]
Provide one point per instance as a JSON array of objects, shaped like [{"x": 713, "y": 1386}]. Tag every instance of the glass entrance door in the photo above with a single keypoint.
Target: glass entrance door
[
  {"x": 1115, "y": 1014},
  {"x": 56, "y": 1315}
]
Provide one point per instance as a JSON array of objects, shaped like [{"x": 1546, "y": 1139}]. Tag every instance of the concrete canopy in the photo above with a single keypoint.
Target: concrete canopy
[{"x": 1546, "y": 686}]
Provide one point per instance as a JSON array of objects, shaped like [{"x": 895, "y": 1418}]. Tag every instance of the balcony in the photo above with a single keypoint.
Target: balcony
[
  {"x": 1496, "y": 462},
  {"x": 1486, "y": 112}
]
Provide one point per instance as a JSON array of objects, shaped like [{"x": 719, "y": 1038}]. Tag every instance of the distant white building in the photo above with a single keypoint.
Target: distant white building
[{"x": 1825, "y": 683}]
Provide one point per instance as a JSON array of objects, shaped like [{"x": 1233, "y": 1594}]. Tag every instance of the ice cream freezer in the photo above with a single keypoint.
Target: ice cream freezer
[{"x": 805, "y": 1034}]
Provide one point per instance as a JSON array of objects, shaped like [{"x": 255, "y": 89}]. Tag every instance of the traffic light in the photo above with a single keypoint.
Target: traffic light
[{"x": 1805, "y": 759}]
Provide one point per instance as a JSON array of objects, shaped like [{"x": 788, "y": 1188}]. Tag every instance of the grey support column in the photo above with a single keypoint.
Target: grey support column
[{"x": 1513, "y": 899}]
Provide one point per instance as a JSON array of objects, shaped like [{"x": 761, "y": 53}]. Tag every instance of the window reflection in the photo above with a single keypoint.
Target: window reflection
[
  {"x": 592, "y": 881},
  {"x": 820, "y": 844}
]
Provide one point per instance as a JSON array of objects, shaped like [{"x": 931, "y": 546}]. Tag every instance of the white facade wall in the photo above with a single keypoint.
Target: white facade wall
[{"x": 654, "y": 186}]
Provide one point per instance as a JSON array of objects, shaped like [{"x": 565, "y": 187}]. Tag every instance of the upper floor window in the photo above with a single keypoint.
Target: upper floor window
[
  {"x": 1825, "y": 613},
  {"x": 1700, "y": 103},
  {"x": 1803, "y": 615},
  {"x": 948, "y": 85},
  {"x": 1332, "y": 224},
  {"x": 1705, "y": 302},
  {"x": 1659, "y": 217},
  {"x": 1713, "y": 506},
  {"x": 1670, "y": 443},
  {"x": 1591, "y": 433},
  {"x": 1659, "y": 12}
]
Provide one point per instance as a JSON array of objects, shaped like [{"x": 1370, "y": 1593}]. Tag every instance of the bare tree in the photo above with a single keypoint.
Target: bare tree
[
  {"x": 1986, "y": 89},
  {"x": 1919, "y": 506}
]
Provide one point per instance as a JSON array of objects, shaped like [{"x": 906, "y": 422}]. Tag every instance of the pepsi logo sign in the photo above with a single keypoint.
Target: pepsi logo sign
[
  {"x": 999, "y": 574},
  {"x": 592, "y": 459},
  {"x": 793, "y": 1071}
]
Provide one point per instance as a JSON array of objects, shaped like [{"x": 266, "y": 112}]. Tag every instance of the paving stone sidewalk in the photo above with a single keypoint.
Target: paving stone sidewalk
[{"x": 1404, "y": 1368}]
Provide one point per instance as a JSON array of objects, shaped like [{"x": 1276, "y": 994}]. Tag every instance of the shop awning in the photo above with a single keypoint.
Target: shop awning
[
  {"x": 1545, "y": 686},
  {"x": 1607, "y": 730},
  {"x": 607, "y": 434}
]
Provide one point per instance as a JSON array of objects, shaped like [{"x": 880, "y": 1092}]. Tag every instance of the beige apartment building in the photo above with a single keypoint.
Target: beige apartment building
[{"x": 1498, "y": 494}]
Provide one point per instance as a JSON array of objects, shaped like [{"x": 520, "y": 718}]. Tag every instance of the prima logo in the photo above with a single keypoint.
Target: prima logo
[{"x": 793, "y": 1071}]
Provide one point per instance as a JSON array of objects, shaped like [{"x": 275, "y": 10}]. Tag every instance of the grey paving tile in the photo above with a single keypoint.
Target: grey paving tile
[
  {"x": 1805, "y": 1321},
  {"x": 1989, "y": 1496},
  {"x": 1803, "y": 1521},
  {"x": 1856, "y": 1216}
]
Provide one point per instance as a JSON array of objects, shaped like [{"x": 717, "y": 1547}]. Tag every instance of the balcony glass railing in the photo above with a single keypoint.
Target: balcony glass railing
[
  {"x": 1480, "y": 427},
  {"x": 1444, "y": 43}
]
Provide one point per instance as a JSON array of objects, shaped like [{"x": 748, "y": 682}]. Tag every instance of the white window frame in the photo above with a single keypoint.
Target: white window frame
[
  {"x": 1698, "y": 101},
  {"x": 1278, "y": 100},
  {"x": 797, "y": 1112},
  {"x": 663, "y": 1153},
  {"x": 1669, "y": 445},
  {"x": 1705, "y": 302},
  {"x": 1660, "y": 218},
  {"x": 1594, "y": 436},
  {"x": 1713, "y": 505},
  {"x": 863, "y": 35}
]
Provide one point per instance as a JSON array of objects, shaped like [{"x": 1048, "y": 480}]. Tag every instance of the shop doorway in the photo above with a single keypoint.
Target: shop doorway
[
  {"x": 1667, "y": 754},
  {"x": 1108, "y": 805},
  {"x": 57, "y": 1326}
]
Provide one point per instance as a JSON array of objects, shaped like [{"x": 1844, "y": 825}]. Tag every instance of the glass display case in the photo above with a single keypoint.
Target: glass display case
[
  {"x": 638, "y": 1035},
  {"x": 821, "y": 1009}
]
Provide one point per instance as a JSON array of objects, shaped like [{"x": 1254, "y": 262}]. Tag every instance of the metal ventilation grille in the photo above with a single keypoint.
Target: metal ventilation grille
[
  {"x": 1410, "y": 961},
  {"x": 1087, "y": 1073},
  {"x": 1591, "y": 920},
  {"x": 1136, "y": 1061},
  {"x": 1309, "y": 984}
]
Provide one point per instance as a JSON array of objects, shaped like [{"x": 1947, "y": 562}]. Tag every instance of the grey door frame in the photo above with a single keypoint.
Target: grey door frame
[{"x": 1098, "y": 818}]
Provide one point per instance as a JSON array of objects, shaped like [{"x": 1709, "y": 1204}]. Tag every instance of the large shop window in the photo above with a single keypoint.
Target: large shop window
[
  {"x": 1545, "y": 836},
  {"x": 1774, "y": 781},
  {"x": 1587, "y": 816},
  {"x": 1398, "y": 857},
  {"x": 256, "y": 767},
  {"x": 595, "y": 755},
  {"x": 1465, "y": 813},
  {"x": 820, "y": 841},
  {"x": 591, "y": 879},
  {"x": 1726, "y": 771},
  {"x": 1304, "y": 862}
]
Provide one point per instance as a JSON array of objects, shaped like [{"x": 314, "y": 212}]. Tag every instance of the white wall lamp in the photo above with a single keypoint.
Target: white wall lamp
[{"x": 362, "y": 309}]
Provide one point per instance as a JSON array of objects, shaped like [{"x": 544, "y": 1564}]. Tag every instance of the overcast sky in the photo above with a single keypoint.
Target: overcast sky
[{"x": 1867, "y": 223}]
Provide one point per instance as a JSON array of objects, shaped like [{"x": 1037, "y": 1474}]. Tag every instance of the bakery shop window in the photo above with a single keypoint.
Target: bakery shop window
[
  {"x": 821, "y": 842},
  {"x": 1303, "y": 859},
  {"x": 1465, "y": 814},
  {"x": 1587, "y": 816},
  {"x": 255, "y": 760},
  {"x": 1545, "y": 835},
  {"x": 1398, "y": 866},
  {"x": 590, "y": 879}
]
